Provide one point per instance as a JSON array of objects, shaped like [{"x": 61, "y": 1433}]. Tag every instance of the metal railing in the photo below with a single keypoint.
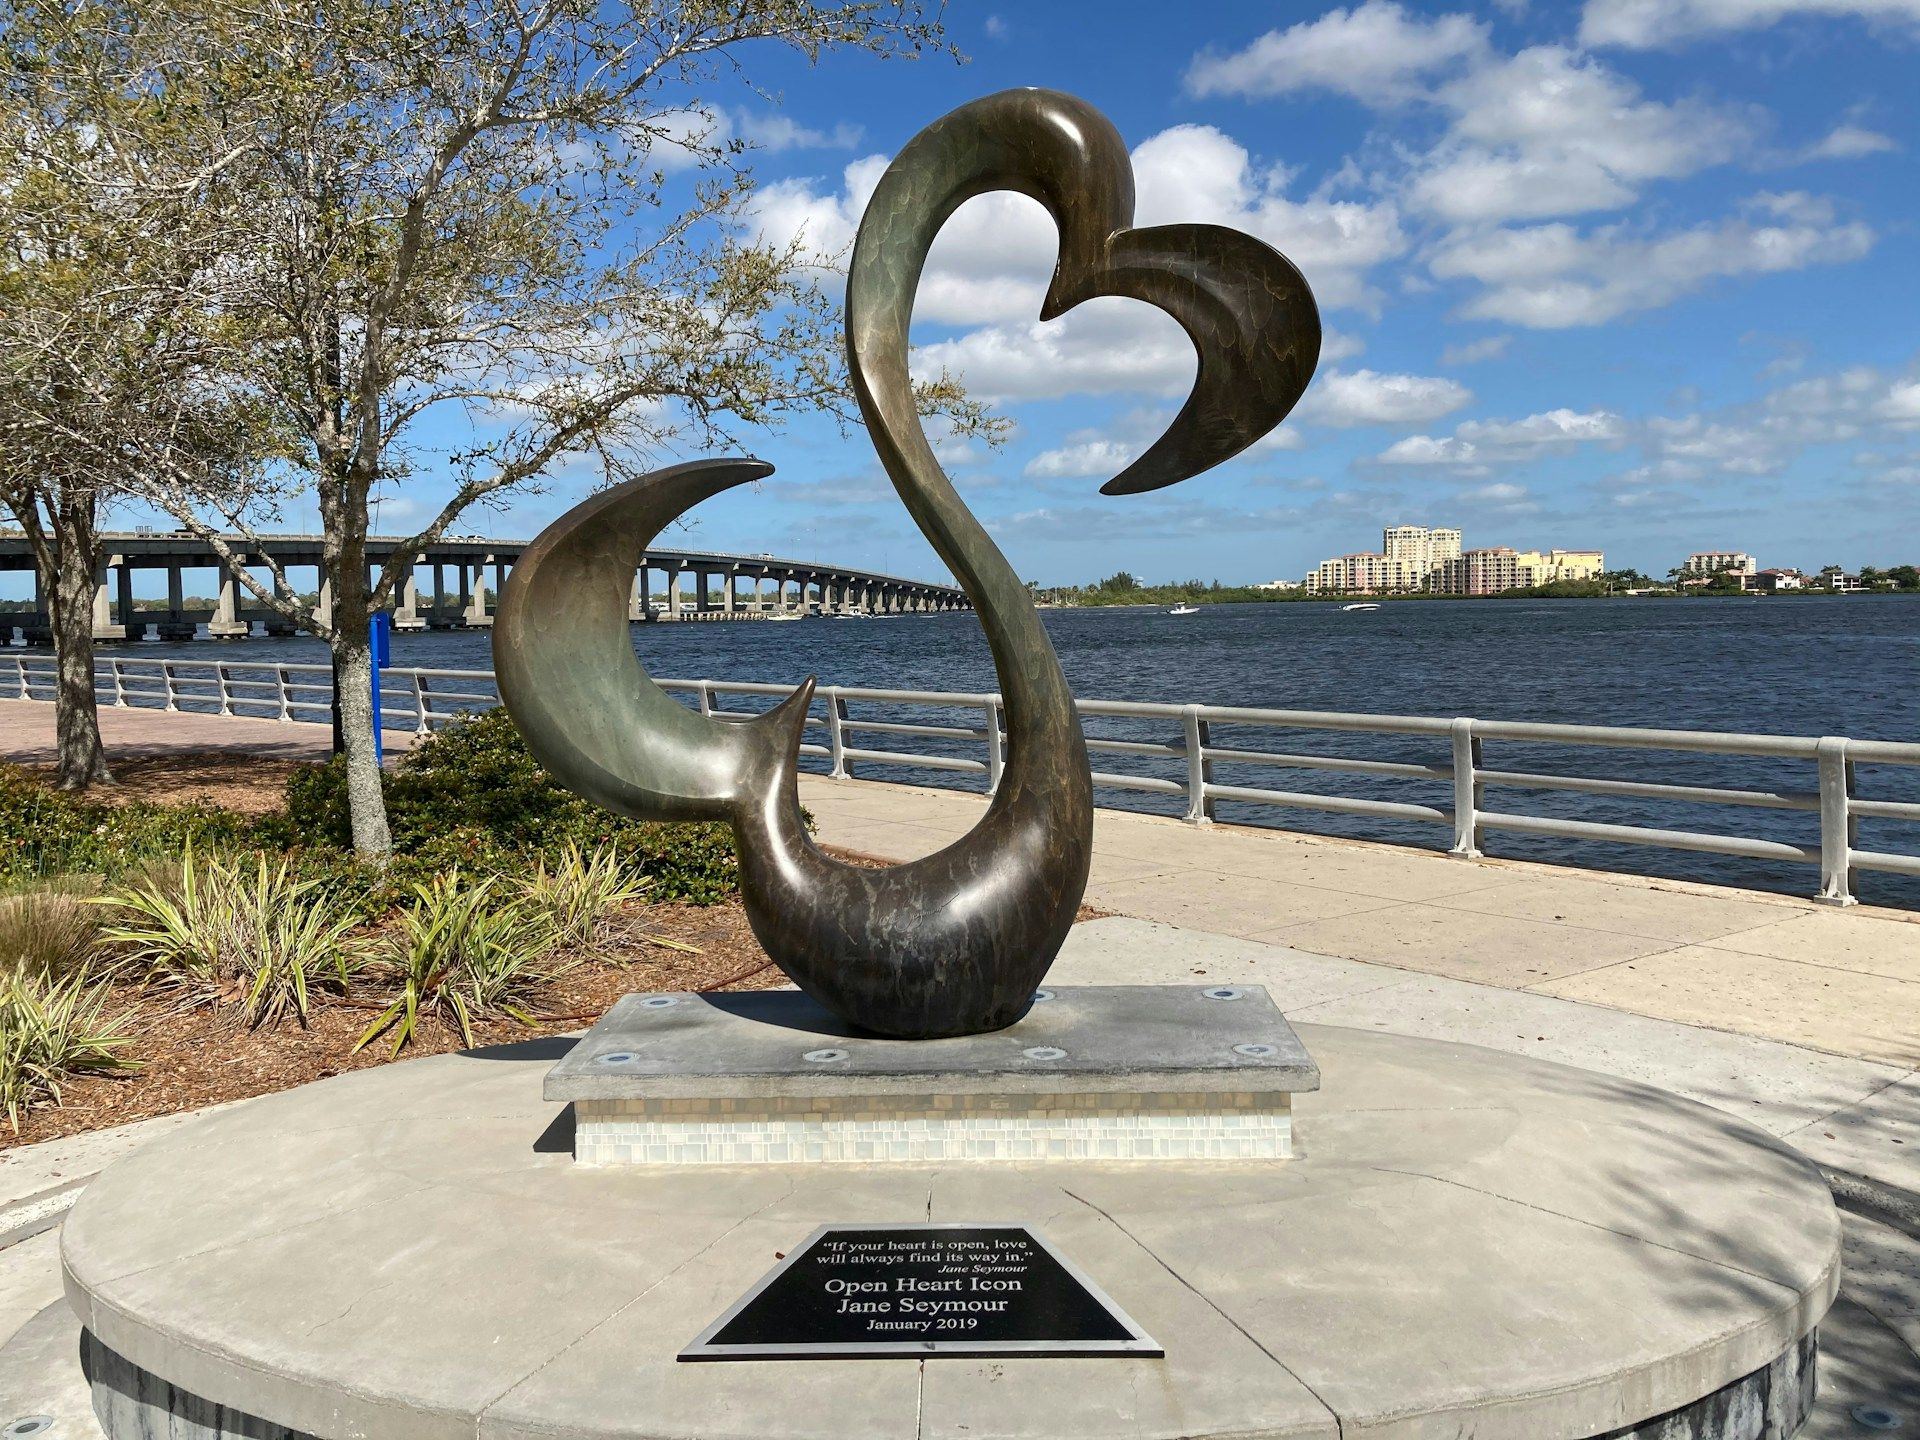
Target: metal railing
[{"x": 421, "y": 700}]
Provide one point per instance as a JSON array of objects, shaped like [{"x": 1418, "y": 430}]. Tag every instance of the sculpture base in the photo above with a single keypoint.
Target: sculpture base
[
  {"x": 1170, "y": 1074},
  {"x": 1467, "y": 1243}
]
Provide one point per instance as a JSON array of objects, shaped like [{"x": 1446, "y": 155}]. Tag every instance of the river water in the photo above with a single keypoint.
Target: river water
[{"x": 1816, "y": 666}]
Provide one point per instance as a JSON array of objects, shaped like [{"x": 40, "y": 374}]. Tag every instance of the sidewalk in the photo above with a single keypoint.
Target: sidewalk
[{"x": 1843, "y": 981}]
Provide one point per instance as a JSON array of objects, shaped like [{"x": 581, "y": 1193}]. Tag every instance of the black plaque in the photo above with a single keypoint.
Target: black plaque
[{"x": 857, "y": 1291}]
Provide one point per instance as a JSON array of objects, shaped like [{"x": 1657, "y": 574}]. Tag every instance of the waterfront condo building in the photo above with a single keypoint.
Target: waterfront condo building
[
  {"x": 1720, "y": 562},
  {"x": 1496, "y": 568},
  {"x": 1409, "y": 559}
]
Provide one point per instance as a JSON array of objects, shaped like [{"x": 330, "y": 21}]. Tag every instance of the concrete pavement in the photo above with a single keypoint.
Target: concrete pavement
[{"x": 1842, "y": 981}]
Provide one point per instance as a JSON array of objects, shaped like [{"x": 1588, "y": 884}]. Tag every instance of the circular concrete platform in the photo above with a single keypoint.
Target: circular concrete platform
[{"x": 1471, "y": 1244}]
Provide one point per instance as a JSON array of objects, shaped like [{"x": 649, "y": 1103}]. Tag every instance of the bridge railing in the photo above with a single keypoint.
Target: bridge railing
[{"x": 1182, "y": 755}]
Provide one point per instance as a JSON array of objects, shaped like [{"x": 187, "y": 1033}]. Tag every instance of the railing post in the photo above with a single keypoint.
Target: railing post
[
  {"x": 226, "y": 698},
  {"x": 705, "y": 693},
  {"x": 166, "y": 674},
  {"x": 837, "y": 735},
  {"x": 996, "y": 755},
  {"x": 422, "y": 711},
  {"x": 20, "y": 674},
  {"x": 119, "y": 681},
  {"x": 1466, "y": 791},
  {"x": 1836, "y": 822},
  {"x": 285, "y": 682},
  {"x": 1199, "y": 768}
]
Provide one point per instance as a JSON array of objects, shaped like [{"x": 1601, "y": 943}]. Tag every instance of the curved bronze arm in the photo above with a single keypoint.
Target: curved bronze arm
[{"x": 957, "y": 942}]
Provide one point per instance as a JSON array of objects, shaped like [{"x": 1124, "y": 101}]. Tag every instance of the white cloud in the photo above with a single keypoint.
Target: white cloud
[
  {"x": 1090, "y": 457},
  {"x": 996, "y": 27},
  {"x": 1479, "y": 444},
  {"x": 1850, "y": 142},
  {"x": 1766, "y": 436},
  {"x": 1197, "y": 173},
  {"x": 1901, "y": 404},
  {"x": 1339, "y": 345},
  {"x": 1505, "y": 498},
  {"x": 1551, "y": 132},
  {"x": 993, "y": 257},
  {"x": 1645, "y": 24},
  {"x": 1490, "y": 347},
  {"x": 777, "y": 132},
  {"x": 1376, "y": 52},
  {"x": 1102, "y": 348},
  {"x": 1553, "y": 276},
  {"x": 1367, "y": 397}
]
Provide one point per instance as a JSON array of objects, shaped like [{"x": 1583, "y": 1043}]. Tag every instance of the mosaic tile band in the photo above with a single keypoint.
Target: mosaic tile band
[{"x": 916, "y": 1129}]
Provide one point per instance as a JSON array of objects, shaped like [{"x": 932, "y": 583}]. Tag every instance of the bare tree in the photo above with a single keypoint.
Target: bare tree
[{"x": 521, "y": 215}]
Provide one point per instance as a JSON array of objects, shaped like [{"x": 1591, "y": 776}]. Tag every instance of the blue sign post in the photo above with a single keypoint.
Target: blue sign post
[{"x": 380, "y": 639}]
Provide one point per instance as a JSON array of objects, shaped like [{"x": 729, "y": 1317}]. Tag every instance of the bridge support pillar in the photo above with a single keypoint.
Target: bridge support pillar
[
  {"x": 406, "y": 611},
  {"x": 105, "y": 626},
  {"x": 473, "y": 594},
  {"x": 131, "y": 624},
  {"x": 279, "y": 626},
  {"x": 176, "y": 626},
  {"x": 226, "y": 623},
  {"x": 323, "y": 607},
  {"x": 640, "y": 602},
  {"x": 727, "y": 583},
  {"x": 674, "y": 599}
]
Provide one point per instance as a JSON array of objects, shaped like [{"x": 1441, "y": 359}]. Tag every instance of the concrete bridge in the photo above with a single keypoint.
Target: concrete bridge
[{"x": 453, "y": 585}]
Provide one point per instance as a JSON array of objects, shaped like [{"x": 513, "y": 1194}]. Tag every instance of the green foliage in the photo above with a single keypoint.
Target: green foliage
[
  {"x": 464, "y": 949},
  {"x": 49, "y": 932},
  {"x": 257, "y": 935},
  {"x": 50, "y": 1032},
  {"x": 46, "y": 832},
  {"x": 577, "y": 894},
  {"x": 473, "y": 796}
]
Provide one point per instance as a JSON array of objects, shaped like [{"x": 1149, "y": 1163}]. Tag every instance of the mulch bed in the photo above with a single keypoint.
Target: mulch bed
[
  {"x": 204, "y": 1057},
  {"x": 252, "y": 784},
  {"x": 194, "y": 1058}
]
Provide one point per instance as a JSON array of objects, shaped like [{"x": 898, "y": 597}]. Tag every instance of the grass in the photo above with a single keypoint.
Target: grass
[{"x": 51, "y": 932}]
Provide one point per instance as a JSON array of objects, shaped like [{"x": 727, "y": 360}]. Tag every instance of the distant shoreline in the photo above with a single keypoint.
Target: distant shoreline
[{"x": 1238, "y": 597}]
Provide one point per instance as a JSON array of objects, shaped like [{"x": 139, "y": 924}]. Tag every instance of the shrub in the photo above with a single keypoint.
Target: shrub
[
  {"x": 51, "y": 931},
  {"x": 578, "y": 894},
  {"x": 464, "y": 949},
  {"x": 50, "y": 1032},
  {"x": 46, "y": 832},
  {"x": 235, "y": 933},
  {"x": 472, "y": 795}
]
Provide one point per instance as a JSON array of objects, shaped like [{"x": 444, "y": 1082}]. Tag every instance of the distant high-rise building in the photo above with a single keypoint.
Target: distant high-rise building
[
  {"x": 1489, "y": 571},
  {"x": 1719, "y": 562},
  {"x": 1408, "y": 559}
]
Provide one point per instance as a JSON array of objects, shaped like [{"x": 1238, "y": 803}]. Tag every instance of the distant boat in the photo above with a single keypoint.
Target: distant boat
[
  {"x": 1184, "y": 610},
  {"x": 1361, "y": 605},
  {"x": 786, "y": 615}
]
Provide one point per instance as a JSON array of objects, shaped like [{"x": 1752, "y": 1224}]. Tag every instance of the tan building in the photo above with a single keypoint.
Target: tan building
[
  {"x": 1720, "y": 562},
  {"x": 1409, "y": 558},
  {"x": 1496, "y": 568}
]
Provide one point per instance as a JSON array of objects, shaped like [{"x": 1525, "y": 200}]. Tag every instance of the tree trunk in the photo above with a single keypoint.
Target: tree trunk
[
  {"x": 353, "y": 671},
  {"x": 82, "y": 759}
]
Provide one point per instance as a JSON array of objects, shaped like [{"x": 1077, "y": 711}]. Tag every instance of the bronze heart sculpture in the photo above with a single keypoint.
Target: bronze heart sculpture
[{"x": 957, "y": 942}]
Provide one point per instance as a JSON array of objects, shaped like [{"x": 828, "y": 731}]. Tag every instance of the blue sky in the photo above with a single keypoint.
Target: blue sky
[{"x": 1636, "y": 274}]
